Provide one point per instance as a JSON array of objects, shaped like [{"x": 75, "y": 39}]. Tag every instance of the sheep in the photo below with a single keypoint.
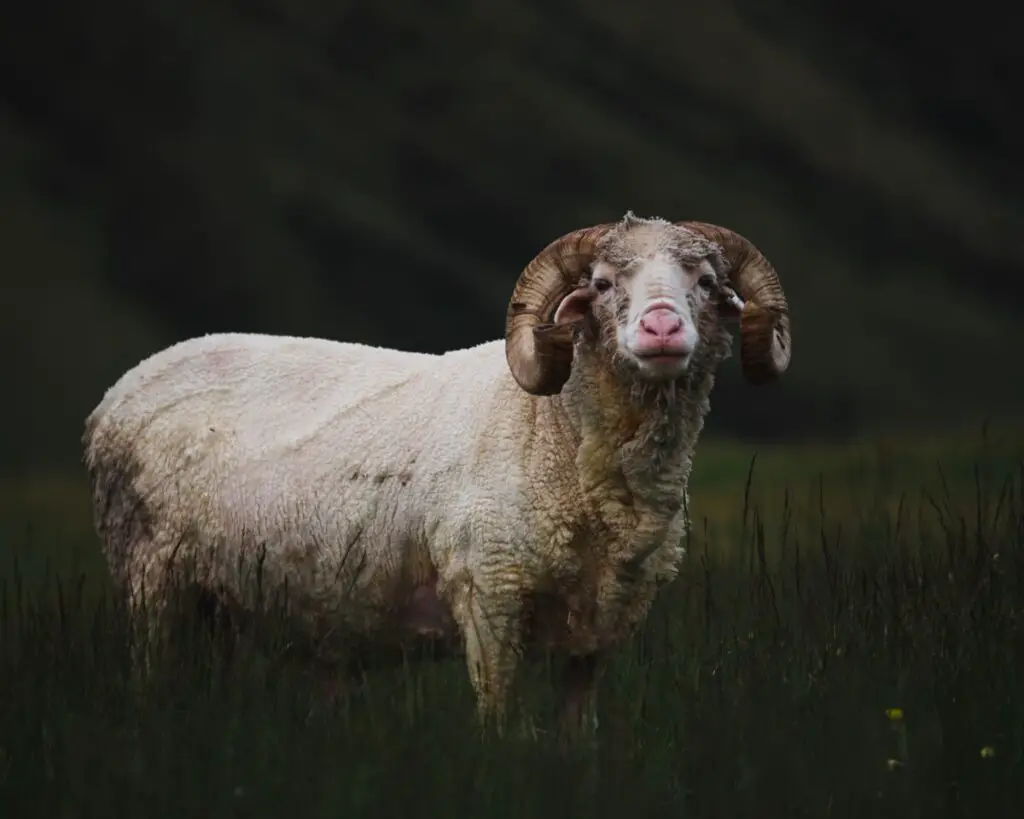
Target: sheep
[{"x": 499, "y": 503}]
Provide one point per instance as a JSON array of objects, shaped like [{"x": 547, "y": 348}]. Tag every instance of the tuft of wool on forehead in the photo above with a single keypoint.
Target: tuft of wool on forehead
[{"x": 634, "y": 239}]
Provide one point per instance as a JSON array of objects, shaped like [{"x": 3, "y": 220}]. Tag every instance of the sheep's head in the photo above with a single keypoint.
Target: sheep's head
[{"x": 644, "y": 288}]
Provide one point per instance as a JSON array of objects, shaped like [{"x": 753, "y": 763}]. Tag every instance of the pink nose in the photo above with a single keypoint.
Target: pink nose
[
  {"x": 661, "y": 333},
  {"x": 661, "y": 323}
]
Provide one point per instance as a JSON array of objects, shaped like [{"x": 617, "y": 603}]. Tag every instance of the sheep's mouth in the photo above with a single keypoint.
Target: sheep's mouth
[
  {"x": 664, "y": 356},
  {"x": 662, "y": 364}
]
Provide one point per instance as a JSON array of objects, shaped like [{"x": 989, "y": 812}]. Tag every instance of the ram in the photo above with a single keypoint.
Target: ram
[{"x": 521, "y": 494}]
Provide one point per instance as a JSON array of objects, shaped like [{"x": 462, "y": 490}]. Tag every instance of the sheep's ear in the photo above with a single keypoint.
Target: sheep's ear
[
  {"x": 727, "y": 305},
  {"x": 574, "y": 307}
]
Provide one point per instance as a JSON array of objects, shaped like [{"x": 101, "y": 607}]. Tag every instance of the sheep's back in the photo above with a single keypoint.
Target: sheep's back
[{"x": 299, "y": 445}]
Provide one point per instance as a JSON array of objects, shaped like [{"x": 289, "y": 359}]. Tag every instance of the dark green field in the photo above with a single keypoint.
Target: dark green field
[{"x": 845, "y": 639}]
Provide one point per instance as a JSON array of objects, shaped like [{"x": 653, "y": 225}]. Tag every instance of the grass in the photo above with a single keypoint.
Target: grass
[{"x": 846, "y": 639}]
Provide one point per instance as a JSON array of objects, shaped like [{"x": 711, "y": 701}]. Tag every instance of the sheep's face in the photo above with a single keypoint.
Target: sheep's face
[{"x": 651, "y": 300}]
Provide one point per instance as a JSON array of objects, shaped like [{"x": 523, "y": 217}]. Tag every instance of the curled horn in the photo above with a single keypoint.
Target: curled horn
[
  {"x": 539, "y": 352},
  {"x": 765, "y": 347}
]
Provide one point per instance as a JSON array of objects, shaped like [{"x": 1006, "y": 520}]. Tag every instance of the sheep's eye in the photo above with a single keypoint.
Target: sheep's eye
[
  {"x": 602, "y": 285},
  {"x": 707, "y": 281}
]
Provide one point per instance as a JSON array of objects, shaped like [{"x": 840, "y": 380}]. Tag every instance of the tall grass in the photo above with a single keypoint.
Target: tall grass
[{"x": 846, "y": 643}]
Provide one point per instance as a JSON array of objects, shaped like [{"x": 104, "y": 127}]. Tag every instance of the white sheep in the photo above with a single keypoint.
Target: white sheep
[{"x": 514, "y": 495}]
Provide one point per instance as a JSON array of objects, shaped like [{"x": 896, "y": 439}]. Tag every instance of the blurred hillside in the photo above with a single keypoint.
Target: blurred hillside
[{"x": 381, "y": 172}]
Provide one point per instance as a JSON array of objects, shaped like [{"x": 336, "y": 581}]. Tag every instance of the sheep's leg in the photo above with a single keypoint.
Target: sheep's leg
[
  {"x": 578, "y": 718},
  {"x": 147, "y": 611},
  {"x": 528, "y": 729},
  {"x": 490, "y": 625},
  {"x": 162, "y": 597},
  {"x": 146, "y": 619}
]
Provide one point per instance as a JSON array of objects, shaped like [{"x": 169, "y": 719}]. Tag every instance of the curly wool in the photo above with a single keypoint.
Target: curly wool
[{"x": 360, "y": 474}]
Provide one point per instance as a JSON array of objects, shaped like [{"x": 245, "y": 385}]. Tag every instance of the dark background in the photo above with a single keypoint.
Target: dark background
[{"x": 380, "y": 172}]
